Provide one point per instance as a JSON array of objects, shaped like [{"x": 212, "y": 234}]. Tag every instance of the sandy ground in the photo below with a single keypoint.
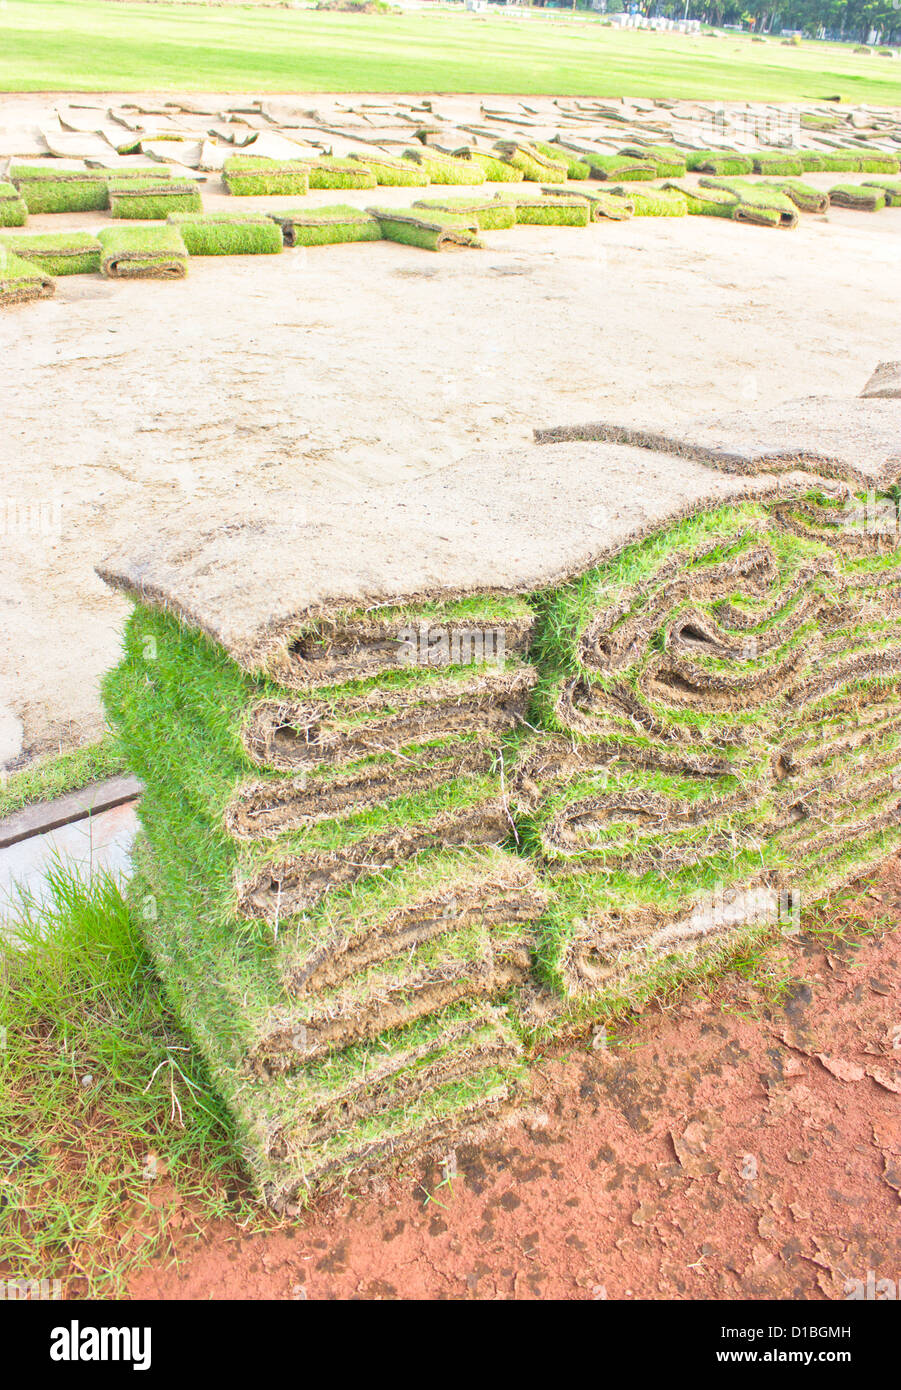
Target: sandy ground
[
  {"x": 713, "y": 1151},
  {"x": 124, "y": 400}
]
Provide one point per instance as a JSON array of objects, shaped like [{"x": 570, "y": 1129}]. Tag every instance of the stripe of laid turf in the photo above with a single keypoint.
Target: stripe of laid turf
[
  {"x": 44, "y": 188},
  {"x": 603, "y": 206},
  {"x": 535, "y": 166},
  {"x": 13, "y": 212},
  {"x": 510, "y": 525},
  {"x": 21, "y": 280},
  {"x": 143, "y": 253},
  {"x": 326, "y": 226},
  {"x": 435, "y": 231},
  {"x": 860, "y": 197},
  {"x": 538, "y": 210},
  {"x": 152, "y": 199},
  {"x": 247, "y": 176},
  {"x": 57, "y": 253},
  {"x": 444, "y": 168},
  {"x": 227, "y": 233},
  {"x": 391, "y": 172},
  {"x": 490, "y": 214},
  {"x": 655, "y": 202},
  {"x": 852, "y": 440}
]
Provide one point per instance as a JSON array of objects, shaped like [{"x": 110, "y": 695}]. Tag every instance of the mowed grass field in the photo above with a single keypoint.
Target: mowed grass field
[{"x": 67, "y": 45}]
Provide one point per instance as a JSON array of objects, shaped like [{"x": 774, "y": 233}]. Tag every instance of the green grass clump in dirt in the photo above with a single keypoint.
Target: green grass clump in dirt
[
  {"x": 576, "y": 168},
  {"x": 143, "y": 253},
  {"x": 20, "y": 280},
  {"x": 326, "y": 225},
  {"x": 13, "y": 212},
  {"x": 539, "y": 210},
  {"x": 45, "y": 188},
  {"x": 891, "y": 188},
  {"x": 152, "y": 200},
  {"x": 248, "y": 176},
  {"x": 341, "y": 173},
  {"x": 393, "y": 173},
  {"x": 860, "y": 197},
  {"x": 57, "y": 253},
  {"x": 490, "y": 214},
  {"x": 669, "y": 159},
  {"x": 433, "y": 231},
  {"x": 444, "y": 168},
  {"x": 52, "y": 776},
  {"x": 718, "y": 162},
  {"x": 228, "y": 233},
  {"x": 655, "y": 202}
]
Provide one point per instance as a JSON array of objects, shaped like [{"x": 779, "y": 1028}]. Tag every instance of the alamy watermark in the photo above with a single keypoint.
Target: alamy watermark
[{"x": 451, "y": 646}]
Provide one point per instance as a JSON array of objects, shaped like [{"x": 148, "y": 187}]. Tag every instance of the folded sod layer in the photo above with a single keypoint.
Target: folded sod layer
[
  {"x": 859, "y": 196},
  {"x": 434, "y": 231},
  {"x": 248, "y": 176},
  {"x": 723, "y": 162},
  {"x": 152, "y": 199},
  {"x": 412, "y": 797},
  {"x": 326, "y": 225},
  {"x": 576, "y": 168},
  {"x": 704, "y": 202},
  {"x": 629, "y": 168},
  {"x": 143, "y": 253},
  {"x": 21, "y": 280},
  {"x": 444, "y": 168},
  {"x": 341, "y": 173},
  {"x": 490, "y": 215},
  {"x": 534, "y": 166},
  {"x": 613, "y": 207},
  {"x": 393, "y": 173},
  {"x": 656, "y": 202},
  {"x": 57, "y": 253},
  {"x": 669, "y": 160},
  {"x": 566, "y": 210},
  {"x": 803, "y": 195},
  {"x": 890, "y": 188},
  {"x": 877, "y": 162},
  {"x": 777, "y": 162},
  {"x": 497, "y": 170},
  {"x": 44, "y": 188},
  {"x": 13, "y": 212},
  {"x": 760, "y": 204},
  {"x": 228, "y": 233}
]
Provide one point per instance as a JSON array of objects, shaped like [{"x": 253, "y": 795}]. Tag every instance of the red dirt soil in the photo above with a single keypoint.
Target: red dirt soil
[{"x": 701, "y": 1155}]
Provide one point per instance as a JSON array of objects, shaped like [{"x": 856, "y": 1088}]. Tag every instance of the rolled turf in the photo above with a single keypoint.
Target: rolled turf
[
  {"x": 805, "y": 197},
  {"x": 341, "y": 173},
  {"x": 497, "y": 170},
  {"x": 859, "y": 196},
  {"x": 326, "y": 225},
  {"x": 152, "y": 199},
  {"x": 612, "y": 207},
  {"x": 891, "y": 188},
  {"x": 718, "y": 162},
  {"x": 565, "y": 210},
  {"x": 248, "y": 176},
  {"x": 576, "y": 168},
  {"x": 491, "y": 214},
  {"x": 656, "y": 202},
  {"x": 21, "y": 280},
  {"x": 535, "y": 166},
  {"x": 393, "y": 173},
  {"x": 668, "y": 159},
  {"x": 44, "y": 188},
  {"x": 705, "y": 202},
  {"x": 57, "y": 253},
  {"x": 777, "y": 162},
  {"x": 621, "y": 166},
  {"x": 759, "y": 204},
  {"x": 433, "y": 231},
  {"x": 143, "y": 253},
  {"x": 13, "y": 212},
  {"x": 444, "y": 168},
  {"x": 227, "y": 233}
]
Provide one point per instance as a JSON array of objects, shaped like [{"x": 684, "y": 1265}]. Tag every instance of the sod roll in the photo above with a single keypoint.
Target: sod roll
[
  {"x": 656, "y": 202},
  {"x": 490, "y": 214},
  {"x": 718, "y": 162},
  {"x": 44, "y": 188},
  {"x": 433, "y": 231},
  {"x": 248, "y": 176},
  {"x": 13, "y": 211},
  {"x": 57, "y": 253},
  {"x": 534, "y": 166},
  {"x": 890, "y": 188},
  {"x": 629, "y": 168},
  {"x": 704, "y": 202},
  {"x": 566, "y": 210},
  {"x": 143, "y": 253},
  {"x": 341, "y": 173},
  {"x": 152, "y": 199},
  {"x": 777, "y": 162},
  {"x": 613, "y": 207},
  {"x": 576, "y": 168},
  {"x": 227, "y": 233},
  {"x": 859, "y": 196},
  {"x": 497, "y": 170},
  {"x": 444, "y": 168},
  {"x": 760, "y": 204},
  {"x": 21, "y": 280},
  {"x": 669, "y": 160},
  {"x": 396, "y": 173},
  {"x": 803, "y": 195},
  {"x": 326, "y": 225}
]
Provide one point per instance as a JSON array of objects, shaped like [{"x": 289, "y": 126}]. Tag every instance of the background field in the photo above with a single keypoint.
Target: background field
[{"x": 66, "y": 45}]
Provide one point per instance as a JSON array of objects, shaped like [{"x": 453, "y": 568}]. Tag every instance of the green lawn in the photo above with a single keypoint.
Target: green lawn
[{"x": 67, "y": 45}]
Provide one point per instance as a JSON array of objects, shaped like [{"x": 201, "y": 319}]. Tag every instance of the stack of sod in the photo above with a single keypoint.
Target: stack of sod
[
  {"x": 621, "y": 166},
  {"x": 724, "y": 698},
  {"x": 323, "y": 882},
  {"x": 393, "y": 173},
  {"x": 327, "y": 225},
  {"x": 248, "y": 176},
  {"x": 718, "y": 162},
  {"x": 829, "y": 162},
  {"x": 891, "y": 188},
  {"x": 565, "y": 210},
  {"x": 535, "y": 166},
  {"x": 57, "y": 253},
  {"x": 576, "y": 168},
  {"x": 759, "y": 204},
  {"x": 433, "y": 231},
  {"x": 143, "y": 253},
  {"x": 860, "y": 197},
  {"x": 491, "y": 215},
  {"x": 668, "y": 159},
  {"x": 704, "y": 202},
  {"x": 341, "y": 173},
  {"x": 497, "y": 170},
  {"x": 227, "y": 233},
  {"x": 13, "y": 212},
  {"x": 777, "y": 162},
  {"x": 656, "y": 202},
  {"x": 21, "y": 280},
  {"x": 44, "y": 188},
  {"x": 877, "y": 162},
  {"x": 603, "y": 206},
  {"x": 152, "y": 199},
  {"x": 444, "y": 168},
  {"x": 803, "y": 195}
]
